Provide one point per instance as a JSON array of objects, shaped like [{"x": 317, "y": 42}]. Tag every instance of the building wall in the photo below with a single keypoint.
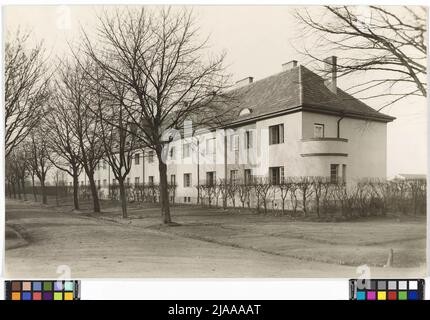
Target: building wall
[
  {"x": 362, "y": 148},
  {"x": 366, "y": 147}
]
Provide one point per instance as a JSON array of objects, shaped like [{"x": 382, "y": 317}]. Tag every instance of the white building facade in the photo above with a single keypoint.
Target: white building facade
[{"x": 291, "y": 124}]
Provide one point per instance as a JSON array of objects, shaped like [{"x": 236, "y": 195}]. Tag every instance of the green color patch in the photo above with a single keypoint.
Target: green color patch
[
  {"x": 403, "y": 295},
  {"x": 58, "y": 296},
  {"x": 47, "y": 286}
]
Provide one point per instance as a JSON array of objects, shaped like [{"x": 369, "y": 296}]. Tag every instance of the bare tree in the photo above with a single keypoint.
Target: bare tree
[
  {"x": 80, "y": 94},
  {"x": 158, "y": 56},
  {"x": 119, "y": 140},
  {"x": 388, "y": 43},
  {"x": 304, "y": 185},
  {"x": 319, "y": 188},
  {"x": 16, "y": 172},
  {"x": 39, "y": 158},
  {"x": 243, "y": 191},
  {"x": 63, "y": 144},
  {"x": 284, "y": 188},
  {"x": 262, "y": 186},
  {"x": 26, "y": 89}
]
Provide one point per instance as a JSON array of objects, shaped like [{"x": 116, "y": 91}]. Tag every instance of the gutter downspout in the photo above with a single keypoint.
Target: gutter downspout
[{"x": 338, "y": 125}]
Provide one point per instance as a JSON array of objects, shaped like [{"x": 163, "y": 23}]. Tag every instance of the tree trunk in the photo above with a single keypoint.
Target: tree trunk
[
  {"x": 19, "y": 189},
  {"x": 164, "y": 192},
  {"x": 44, "y": 197},
  {"x": 56, "y": 194},
  {"x": 34, "y": 190},
  {"x": 76, "y": 190},
  {"x": 23, "y": 189},
  {"x": 283, "y": 206},
  {"x": 123, "y": 197},
  {"x": 14, "y": 190},
  {"x": 94, "y": 193},
  {"x": 304, "y": 203},
  {"x": 9, "y": 190}
]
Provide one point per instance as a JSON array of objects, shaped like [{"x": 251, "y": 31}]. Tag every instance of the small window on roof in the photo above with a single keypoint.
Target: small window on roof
[{"x": 244, "y": 111}]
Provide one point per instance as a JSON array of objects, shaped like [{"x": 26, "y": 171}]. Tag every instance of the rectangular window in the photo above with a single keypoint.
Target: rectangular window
[
  {"x": 210, "y": 146},
  {"x": 234, "y": 142},
  {"x": 185, "y": 199},
  {"x": 150, "y": 156},
  {"x": 344, "y": 173},
  {"x": 233, "y": 176},
  {"x": 276, "y": 175},
  {"x": 98, "y": 183},
  {"x": 114, "y": 182},
  {"x": 248, "y": 176},
  {"x": 276, "y": 134},
  {"x": 173, "y": 180},
  {"x": 136, "y": 181},
  {"x": 187, "y": 180},
  {"x": 104, "y": 183},
  {"x": 248, "y": 139},
  {"x": 211, "y": 178},
  {"x": 318, "y": 130},
  {"x": 151, "y": 180},
  {"x": 98, "y": 165},
  {"x": 186, "y": 150},
  {"x": 82, "y": 183},
  {"x": 104, "y": 164},
  {"x": 128, "y": 181},
  {"x": 136, "y": 159},
  {"x": 334, "y": 173}
]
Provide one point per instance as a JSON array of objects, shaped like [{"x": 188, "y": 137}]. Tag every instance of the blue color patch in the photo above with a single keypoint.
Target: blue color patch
[
  {"x": 361, "y": 295},
  {"x": 26, "y": 296},
  {"x": 37, "y": 286},
  {"x": 412, "y": 295}
]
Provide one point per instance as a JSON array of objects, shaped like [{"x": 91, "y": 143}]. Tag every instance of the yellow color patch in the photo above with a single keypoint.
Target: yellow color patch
[
  {"x": 16, "y": 295},
  {"x": 68, "y": 296},
  {"x": 382, "y": 295}
]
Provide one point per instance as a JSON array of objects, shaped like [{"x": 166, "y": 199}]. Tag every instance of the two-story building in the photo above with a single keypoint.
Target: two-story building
[{"x": 294, "y": 123}]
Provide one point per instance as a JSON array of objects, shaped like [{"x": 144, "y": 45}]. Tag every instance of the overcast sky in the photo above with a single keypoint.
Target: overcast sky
[{"x": 257, "y": 40}]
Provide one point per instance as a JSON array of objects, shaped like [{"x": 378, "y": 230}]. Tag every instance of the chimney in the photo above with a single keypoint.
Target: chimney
[
  {"x": 289, "y": 65},
  {"x": 331, "y": 73},
  {"x": 244, "y": 82}
]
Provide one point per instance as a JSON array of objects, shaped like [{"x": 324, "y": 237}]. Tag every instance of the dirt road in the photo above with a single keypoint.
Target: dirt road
[{"x": 97, "y": 248}]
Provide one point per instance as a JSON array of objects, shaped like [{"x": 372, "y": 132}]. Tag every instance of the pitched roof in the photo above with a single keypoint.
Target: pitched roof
[{"x": 299, "y": 89}]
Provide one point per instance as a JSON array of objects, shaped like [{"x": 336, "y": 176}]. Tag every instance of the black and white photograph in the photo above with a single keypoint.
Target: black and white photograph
[{"x": 215, "y": 141}]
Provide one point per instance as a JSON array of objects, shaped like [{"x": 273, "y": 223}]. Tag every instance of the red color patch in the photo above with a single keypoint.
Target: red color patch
[
  {"x": 392, "y": 295},
  {"x": 37, "y": 295}
]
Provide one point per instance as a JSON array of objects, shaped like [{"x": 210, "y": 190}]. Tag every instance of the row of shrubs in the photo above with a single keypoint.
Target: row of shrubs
[
  {"x": 300, "y": 195},
  {"x": 320, "y": 196}
]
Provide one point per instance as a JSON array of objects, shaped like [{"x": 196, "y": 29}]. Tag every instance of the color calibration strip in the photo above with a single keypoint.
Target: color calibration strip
[
  {"x": 42, "y": 290},
  {"x": 386, "y": 289}
]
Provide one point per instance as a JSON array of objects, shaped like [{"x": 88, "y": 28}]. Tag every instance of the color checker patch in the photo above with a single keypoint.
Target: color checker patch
[
  {"x": 386, "y": 289},
  {"x": 48, "y": 290}
]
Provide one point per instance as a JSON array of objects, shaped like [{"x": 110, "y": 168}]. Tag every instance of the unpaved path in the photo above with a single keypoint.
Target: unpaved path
[{"x": 102, "y": 249}]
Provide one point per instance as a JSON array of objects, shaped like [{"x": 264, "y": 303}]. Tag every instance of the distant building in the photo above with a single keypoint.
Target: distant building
[
  {"x": 294, "y": 123},
  {"x": 411, "y": 176}
]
